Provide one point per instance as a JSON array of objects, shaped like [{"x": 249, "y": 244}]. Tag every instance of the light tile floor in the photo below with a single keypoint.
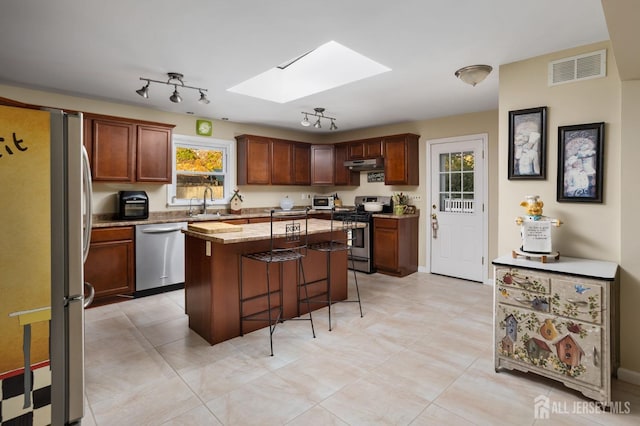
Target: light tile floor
[{"x": 421, "y": 355}]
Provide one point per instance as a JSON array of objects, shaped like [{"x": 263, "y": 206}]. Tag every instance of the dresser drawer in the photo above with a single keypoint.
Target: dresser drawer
[
  {"x": 577, "y": 299},
  {"x": 512, "y": 278}
]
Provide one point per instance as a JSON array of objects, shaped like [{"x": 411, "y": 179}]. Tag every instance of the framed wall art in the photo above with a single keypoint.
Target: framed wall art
[
  {"x": 528, "y": 143},
  {"x": 580, "y": 162}
]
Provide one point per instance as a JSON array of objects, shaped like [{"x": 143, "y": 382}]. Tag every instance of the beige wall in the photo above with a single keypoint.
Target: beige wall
[
  {"x": 605, "y": 231},
  {"x": 524, "y": 85},
  {"x": 630, "y": 237}
]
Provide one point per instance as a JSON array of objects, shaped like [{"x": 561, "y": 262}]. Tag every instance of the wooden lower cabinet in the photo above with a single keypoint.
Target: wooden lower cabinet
[
  {"x": 110, "y": 265},
  {"x": 395, "y": 244},
  {"x": 559, "y": 321}
]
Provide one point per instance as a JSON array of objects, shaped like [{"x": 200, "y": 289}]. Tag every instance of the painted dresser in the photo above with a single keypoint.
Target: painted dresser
[{"x": 558, "y": 320}]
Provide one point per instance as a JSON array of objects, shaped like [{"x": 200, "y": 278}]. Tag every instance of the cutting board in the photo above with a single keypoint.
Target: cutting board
[{"x": 214, "y": 227}]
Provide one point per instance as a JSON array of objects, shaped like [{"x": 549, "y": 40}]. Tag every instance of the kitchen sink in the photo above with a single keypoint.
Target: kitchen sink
[{"x": 212, "y": 216}]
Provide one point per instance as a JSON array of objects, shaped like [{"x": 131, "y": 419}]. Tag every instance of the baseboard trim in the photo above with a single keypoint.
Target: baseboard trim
[{"x": 629, "y": 376}]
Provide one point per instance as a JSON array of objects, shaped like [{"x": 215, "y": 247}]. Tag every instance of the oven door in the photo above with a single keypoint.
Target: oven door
[{"x": 360, "y": 258}]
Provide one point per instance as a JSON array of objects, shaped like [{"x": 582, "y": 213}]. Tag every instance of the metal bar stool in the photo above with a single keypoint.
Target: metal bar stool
[
  {"x": 347, "y": 225},
  {"x": 288, "y": 243}
]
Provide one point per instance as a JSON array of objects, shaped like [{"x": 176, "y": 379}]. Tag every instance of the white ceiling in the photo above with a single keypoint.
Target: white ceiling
[{"x": 99, "y": 49}]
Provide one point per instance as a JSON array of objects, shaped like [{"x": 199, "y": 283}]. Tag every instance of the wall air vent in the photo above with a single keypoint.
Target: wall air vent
[{"x": 577, "y": 68}]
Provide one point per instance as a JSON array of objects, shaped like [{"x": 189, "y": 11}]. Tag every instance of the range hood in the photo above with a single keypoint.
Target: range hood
[{"x": 368, "y": 164}]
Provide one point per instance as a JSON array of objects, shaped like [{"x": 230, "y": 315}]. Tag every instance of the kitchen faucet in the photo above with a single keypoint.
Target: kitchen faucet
[{"x": 204, "y": 198}]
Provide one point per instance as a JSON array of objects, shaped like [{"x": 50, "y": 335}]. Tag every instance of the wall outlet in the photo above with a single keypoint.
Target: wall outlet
[{"x": 415, "y": 197}]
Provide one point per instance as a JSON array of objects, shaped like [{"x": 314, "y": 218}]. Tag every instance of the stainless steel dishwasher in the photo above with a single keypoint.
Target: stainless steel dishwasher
[{"x": 159, "y": 258}]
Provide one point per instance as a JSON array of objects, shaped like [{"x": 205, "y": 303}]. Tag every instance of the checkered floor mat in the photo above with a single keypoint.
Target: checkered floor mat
[{"x": 12, "y": 407}]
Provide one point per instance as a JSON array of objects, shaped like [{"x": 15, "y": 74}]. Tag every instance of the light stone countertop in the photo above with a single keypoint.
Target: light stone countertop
[{"x": 262, "y": 231}]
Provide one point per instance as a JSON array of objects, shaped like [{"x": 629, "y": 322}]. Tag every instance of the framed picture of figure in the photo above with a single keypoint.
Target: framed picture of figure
[
  {"x": 528, "y": 143},
  {"x": 580, "y": 162}
]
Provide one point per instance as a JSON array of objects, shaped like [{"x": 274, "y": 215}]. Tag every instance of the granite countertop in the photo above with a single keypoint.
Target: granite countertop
[
  {"x": 262, "y": 231},
  {"x": 396, "y": 216},
  {"x": 109, "y": 219}
]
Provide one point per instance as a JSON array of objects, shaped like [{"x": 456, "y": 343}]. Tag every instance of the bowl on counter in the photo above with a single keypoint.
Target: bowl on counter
[
  {"x": 286, "y": 203},
  {"x": 372, "y": 206}
]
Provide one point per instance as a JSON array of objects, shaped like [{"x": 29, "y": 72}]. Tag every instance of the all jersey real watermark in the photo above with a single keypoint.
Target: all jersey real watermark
[{"x": 544, "y": 407}]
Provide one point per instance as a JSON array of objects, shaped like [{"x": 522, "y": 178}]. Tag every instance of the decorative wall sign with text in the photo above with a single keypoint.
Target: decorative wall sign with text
[{"x": 375, "y": 177}]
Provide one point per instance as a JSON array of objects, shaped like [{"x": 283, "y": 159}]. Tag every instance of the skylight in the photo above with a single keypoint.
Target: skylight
[{"x": 326, "y": 67}]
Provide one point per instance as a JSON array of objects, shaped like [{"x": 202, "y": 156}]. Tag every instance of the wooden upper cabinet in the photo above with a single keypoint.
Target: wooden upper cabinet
[
  {"x": 270, "y": 161},
  {"x": 282, "y": 162},
  {"x": 322, "y": 164},
  {"x": 123, "y": 150},
  {"x": 301, "y": 164},
  {"x": 401, "y": 160},
  {"x": 366, "y": 148},
  {"x": 341, "y": 174},
  {"x": 153, "y": 156},
  {"x": 113, "y": 151},
  {"x": 254, "y": 160}
]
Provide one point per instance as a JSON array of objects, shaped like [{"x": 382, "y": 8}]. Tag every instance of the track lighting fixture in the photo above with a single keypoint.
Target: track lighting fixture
[
  {"x": 319, "y": 113},
  {"x": 175, "y": 80}
]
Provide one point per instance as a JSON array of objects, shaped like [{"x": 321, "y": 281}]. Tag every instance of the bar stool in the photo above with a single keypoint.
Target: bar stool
[
  {"x": 288, "y": 243},
  {"x": 347, "y": 225}
]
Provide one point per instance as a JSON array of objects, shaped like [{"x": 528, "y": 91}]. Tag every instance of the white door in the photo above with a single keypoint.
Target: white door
[{"x": 457, "y": 231}]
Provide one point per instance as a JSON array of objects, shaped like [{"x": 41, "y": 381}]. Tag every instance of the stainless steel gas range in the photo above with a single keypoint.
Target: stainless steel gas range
[{"x": 362, "y": 238}]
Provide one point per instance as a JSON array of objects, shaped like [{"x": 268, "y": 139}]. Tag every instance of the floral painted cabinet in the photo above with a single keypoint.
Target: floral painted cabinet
[{"x": 557, "y": 325}]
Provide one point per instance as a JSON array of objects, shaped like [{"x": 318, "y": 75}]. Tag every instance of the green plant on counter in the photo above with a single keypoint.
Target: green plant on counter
[{"x": 400, "y": 199}]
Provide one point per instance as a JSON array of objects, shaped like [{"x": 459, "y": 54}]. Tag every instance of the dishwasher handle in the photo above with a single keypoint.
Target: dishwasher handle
[{"x": 161, "y": 230}]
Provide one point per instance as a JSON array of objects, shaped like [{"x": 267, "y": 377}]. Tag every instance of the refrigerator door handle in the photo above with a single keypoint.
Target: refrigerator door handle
[
  {"x": 88, "y": 207},
  {"x": 92, "y": 292}
]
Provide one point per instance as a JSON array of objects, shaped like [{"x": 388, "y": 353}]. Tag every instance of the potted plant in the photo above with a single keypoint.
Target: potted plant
[{"x": 400, "y": 202}]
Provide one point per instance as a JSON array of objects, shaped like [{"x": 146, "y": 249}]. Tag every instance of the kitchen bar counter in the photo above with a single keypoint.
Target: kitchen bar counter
[
  {"x": 262, "y": 231},
  {"x": 212, "y": 278}
]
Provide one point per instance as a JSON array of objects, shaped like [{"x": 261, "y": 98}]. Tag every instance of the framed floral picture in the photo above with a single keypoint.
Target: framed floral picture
[
  {"x": 528, "y": 143},
  {"x": 580, "y": 162}
]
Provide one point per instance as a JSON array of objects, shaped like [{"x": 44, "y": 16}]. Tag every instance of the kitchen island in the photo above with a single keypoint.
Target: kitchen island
[{"x": 212, "y": 277}]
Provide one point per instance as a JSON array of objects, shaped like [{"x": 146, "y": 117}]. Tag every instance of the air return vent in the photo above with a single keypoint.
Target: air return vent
[{"x": 576, "y": 68}]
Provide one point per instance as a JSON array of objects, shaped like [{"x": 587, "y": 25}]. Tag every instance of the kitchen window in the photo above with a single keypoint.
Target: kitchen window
[{"x": 199, "y": 163}]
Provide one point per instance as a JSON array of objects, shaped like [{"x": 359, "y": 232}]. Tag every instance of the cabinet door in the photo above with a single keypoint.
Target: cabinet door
[
  {"x": 342, "y": 175},
  {"x": 153, "y": 154},
  {"x": 366, "y": 148},
  {"x": 254, "y": 160},
  {"x": 401, "y": 160},
  {"x": 568, "y": 348},
  {"x": 110, "y": 264},
  {"x": 322, "y": 164},
  {"x": 113, "y": 151},
  {"x": 301, "y": 164},
  {"x": 385, "y": 244},
  {"x": 281, "y": 162},
  {"x": 373, "y": 148}
]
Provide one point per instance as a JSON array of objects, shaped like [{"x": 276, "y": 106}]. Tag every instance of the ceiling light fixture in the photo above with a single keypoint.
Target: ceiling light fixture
[
  {"x": 319, "y": 113},
  {"x": 473, "y": 74},
  {"x": 175, "y": 80}
]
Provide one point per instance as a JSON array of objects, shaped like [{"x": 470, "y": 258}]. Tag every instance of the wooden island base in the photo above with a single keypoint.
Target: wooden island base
[{"x": 212, "y": 280}]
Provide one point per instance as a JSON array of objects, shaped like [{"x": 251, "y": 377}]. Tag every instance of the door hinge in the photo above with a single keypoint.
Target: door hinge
[{"x": 483, "y": 260}]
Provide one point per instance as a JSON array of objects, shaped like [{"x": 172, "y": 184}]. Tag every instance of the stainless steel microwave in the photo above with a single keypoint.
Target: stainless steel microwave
[{"x": 322, "y": 202}]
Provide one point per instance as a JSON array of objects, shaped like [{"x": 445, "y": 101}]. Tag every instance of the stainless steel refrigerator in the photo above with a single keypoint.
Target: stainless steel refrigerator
[{"x": 45, "y": 225}]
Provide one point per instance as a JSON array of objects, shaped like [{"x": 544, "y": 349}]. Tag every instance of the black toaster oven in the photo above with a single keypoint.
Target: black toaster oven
[{"x": 133, "y": 205}]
